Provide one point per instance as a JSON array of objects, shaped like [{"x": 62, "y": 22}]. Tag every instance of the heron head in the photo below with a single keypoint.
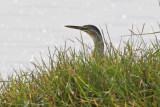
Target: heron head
[{"x": 92, "y": 30}]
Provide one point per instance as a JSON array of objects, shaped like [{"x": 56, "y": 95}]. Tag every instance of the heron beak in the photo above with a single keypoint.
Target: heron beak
[{"x": 76, "y": 27}]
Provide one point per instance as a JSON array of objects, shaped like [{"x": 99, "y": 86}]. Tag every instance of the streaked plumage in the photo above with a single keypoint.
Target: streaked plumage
[{"x": 95, "y": 34}]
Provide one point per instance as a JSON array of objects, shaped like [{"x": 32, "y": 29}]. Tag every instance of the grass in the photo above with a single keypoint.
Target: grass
[{"x": 128, "y": 75}]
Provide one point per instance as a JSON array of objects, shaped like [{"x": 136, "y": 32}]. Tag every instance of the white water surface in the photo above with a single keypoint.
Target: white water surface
[{"x": 28, "y": 27}]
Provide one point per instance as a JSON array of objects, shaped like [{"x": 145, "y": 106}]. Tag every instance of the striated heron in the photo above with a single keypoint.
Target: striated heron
[{"x": 95, "y": 34}]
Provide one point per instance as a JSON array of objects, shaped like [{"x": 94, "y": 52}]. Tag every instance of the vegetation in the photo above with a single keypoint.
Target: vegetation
[{"x": 128, "y": 75}]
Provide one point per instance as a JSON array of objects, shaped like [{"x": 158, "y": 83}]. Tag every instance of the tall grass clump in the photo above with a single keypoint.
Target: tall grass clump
[{"x": 128, "y": 75}]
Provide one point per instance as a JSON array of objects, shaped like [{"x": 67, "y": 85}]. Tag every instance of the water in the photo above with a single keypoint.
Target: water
[{"x": 27, "y": 27}]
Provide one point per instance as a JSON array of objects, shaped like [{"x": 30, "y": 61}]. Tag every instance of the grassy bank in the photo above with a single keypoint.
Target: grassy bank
[{"x": 128, "y": 75}]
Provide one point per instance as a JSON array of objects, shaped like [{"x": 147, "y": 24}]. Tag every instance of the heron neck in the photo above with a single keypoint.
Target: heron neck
[{"x": 98, "y": 45}]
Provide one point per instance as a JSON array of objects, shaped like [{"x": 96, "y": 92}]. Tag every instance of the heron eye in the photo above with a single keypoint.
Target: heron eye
[{"x": 85, "y": 27}]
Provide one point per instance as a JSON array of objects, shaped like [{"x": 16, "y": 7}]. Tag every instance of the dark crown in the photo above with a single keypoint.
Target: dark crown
[{"x": 93, "y": 28}]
